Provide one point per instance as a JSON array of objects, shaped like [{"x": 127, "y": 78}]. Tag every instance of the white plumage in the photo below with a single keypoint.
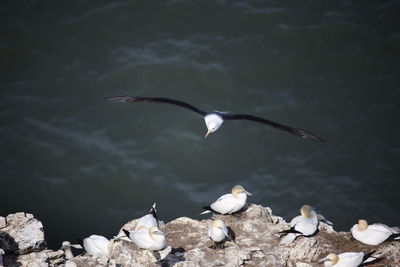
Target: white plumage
[
  {"x": 229, "y": 203},
  {"x": 346, "y": 259},
  {"x": 96, "y": 245},
  {"x": 218, "y": 231},
  {"x": 150, "y": 239},
  {"x": 305, "y": 224},
  {"x": 373, "y": 234},
  {"x": 149, "y": 220}
]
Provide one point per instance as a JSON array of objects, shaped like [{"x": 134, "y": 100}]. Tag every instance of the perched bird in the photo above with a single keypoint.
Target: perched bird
[
  {"x": 96, "y": 245},
  {"x": 374, "y": 234},
  {"x": 218, "y": 233},
  {"x": 229, "y": 203},
  {"x": 347, "y": 259},
  {"x": 305, "y": 224},
  {"x": 147, "y": 238},
  {"x": 149, "y": 220},
  {"x": 214, "y": 119},
  {"x": 66, "y": 247}
]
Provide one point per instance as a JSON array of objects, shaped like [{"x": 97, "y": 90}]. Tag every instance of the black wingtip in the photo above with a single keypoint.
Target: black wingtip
[
  {"x": 79, "y": 241},
  {"x": 126, "y": 232}
]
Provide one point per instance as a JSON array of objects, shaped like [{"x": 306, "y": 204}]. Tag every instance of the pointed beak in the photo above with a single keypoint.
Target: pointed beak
[
  {"x": 248, "y": 193},
  {"x": 208, "y": 132},
  {"x": 322, "y": 260}
]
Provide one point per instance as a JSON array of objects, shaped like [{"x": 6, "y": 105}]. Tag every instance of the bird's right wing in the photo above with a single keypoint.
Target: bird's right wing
[{"x": 164, "y": 100}]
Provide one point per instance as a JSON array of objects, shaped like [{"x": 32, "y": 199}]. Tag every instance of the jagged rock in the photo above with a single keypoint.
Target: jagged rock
[
  {"x": 22, "y": 234},
  {"x": 257, "y": 244},
  {"x": 43, "y": 258}
]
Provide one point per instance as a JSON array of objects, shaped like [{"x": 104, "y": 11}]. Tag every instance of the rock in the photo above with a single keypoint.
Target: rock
[
  {"x": 1, "y": 257},
  {"x": 22, "y": 234},
  {"x": 256, "y": 231},
  {"x": 42, "y": 258}
]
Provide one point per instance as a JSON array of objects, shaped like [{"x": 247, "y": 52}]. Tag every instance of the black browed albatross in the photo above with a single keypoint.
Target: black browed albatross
[{"x": 214, "y": 119}]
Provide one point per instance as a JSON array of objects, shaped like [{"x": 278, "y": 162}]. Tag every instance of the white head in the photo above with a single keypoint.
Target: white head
[
  {"x": 330, "y": 260},
  {"x": 213, "y": 122}
]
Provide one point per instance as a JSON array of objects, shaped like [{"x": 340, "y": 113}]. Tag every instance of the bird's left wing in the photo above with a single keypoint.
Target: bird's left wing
[{"x": 295, "y": 131}]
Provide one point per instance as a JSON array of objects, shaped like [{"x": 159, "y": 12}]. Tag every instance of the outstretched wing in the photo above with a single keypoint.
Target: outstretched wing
[
  {"x": 295, "y": 131},
  {"x": 164, "y": 100}
]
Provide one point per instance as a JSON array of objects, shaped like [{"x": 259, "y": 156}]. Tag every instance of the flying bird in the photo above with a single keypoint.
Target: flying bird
[{"x": 214, "y": 119}]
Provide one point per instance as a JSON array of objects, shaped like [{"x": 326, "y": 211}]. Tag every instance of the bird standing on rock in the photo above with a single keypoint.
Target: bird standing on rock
[
  {"x": 218, "y": 232},
  {"x": 229, "y": 203},
  {"x": 214, "y": 119}
]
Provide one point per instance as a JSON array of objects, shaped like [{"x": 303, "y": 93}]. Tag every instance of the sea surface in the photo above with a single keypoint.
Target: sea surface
[{"x": 83, "y": 165}]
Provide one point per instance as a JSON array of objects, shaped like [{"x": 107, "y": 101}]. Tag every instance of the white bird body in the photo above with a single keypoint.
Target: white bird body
[
  {"x": 229, "y": 203},
  {"x": 150, "y": 239},
  {"x": 218, "y": 231},
  {"x": 373, "y": 234},
  {"x": 66, "y": 247},
  {"x": 213, "y": 122},
  {"x": 346, "y": 259},
  {"x": 305, "y": 224},
  {"x": 96, "y": 245},
  {"x": 148, "y": 220}
]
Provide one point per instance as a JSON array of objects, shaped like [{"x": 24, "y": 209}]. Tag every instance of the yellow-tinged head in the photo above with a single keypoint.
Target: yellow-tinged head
[
  {"x": 306, "y": 211},
  {"x": 238, "y": 189},
  {"x": 362, "y": 225}
]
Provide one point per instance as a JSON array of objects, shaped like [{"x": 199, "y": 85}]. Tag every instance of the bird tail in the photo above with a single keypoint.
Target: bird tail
[
  {"x": 370, "y": 257},
  {"x": 207, "y": 209},
  {"x": 153, "y": 211},
  {"x": 287, "y": 239}
]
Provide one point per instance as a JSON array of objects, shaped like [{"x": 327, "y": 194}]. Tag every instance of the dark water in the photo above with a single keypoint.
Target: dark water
[{"x": 83, "y": 165}]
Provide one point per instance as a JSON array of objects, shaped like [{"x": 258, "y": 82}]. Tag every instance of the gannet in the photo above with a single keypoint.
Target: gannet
[
  {"x": 147, "y": 238},
  {"x": 66, "y": 247},
  {"x": 214, "y": 119},
  {"x": 96, "y": 245},
  {"x": 347, "y": 259},
  {"x": 373, "y": 234},
  {"x": 305, "y": 224},
  {"x": 218, "y": 232},
  {"x": 229, "y": 203}
]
